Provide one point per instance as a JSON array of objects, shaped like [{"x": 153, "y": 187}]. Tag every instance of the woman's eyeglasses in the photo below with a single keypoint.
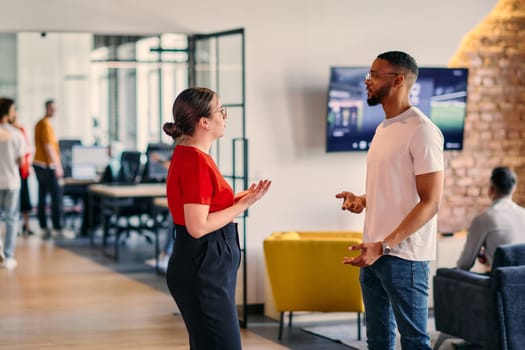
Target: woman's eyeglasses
[{"x": 222, "y": 111}]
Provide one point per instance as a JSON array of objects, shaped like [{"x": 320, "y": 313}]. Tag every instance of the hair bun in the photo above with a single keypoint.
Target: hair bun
[{"x": 168, "y": 128}]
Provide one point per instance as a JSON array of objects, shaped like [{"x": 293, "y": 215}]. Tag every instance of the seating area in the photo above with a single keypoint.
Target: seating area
[
  {"x": 306, "y": 273},
  {"x": 487, "y": 311},
  {"x": 484, "y": 309}
]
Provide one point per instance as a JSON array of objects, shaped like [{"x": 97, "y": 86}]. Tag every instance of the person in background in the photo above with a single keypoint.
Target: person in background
[
  {"x": 48, "y": 170},
  {"x": 501, "y": 223},
  {"x": 202, "y": 271},
  {"x": 12, "y": 150},
  {"x": 25, "y": 170},
  {"x": 404, "y": 184}
]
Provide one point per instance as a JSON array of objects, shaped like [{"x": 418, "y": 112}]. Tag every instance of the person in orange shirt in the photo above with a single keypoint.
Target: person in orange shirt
[
  {"x": 25, "y": 170},
  {"x": 49, "y": 172}
]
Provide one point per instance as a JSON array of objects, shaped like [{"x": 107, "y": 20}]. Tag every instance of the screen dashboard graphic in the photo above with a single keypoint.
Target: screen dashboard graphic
[{"x": 440, "y": 93}]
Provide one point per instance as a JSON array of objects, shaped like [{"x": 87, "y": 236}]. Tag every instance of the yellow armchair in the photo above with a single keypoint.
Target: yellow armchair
[{"x": 306, "y": 272}]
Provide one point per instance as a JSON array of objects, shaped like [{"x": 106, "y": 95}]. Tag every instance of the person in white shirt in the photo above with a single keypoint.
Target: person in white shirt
[
  {"x": 12, "y": 150},
  {"x": 501, "y": 223},
  {"x": 404, "y": 185}
]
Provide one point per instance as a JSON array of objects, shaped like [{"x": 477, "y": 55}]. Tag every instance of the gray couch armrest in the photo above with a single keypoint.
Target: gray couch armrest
[
  {"x": 464, "y": 305},
  {"x": 510, "y": 285},
  {"x": 482, "y": 280}
]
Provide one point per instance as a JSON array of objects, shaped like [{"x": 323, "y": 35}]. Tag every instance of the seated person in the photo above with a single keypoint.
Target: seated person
[{"x": 501, "y": 223}]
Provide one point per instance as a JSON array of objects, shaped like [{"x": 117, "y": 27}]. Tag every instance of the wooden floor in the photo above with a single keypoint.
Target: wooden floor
[{"x": 57, "y": 300}]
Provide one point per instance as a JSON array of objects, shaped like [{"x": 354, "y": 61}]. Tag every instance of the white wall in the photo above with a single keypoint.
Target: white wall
[
  {"x": 57, "y": 67},
  {"x": 290, "y": 47},
  {"x": 8, "y": 59}
]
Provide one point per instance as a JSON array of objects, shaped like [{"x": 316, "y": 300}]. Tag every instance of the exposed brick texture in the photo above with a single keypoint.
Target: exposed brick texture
[{"x": 494, "y": 52}]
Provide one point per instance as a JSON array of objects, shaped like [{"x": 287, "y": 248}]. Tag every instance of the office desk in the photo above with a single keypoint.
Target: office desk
[
  {"x": 161, "y": 202},
  {"x": 112, "y": 200},
  {"x": 129, "y": 191},
  {"x": 77, "y": 188}
]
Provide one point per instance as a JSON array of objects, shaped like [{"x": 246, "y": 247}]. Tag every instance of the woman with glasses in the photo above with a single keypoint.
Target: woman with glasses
[{"x": 202, "y": 271}]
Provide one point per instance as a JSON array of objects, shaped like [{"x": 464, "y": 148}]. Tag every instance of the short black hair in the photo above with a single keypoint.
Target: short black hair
[
  {"x": 503, "y": 179},
  {"x": 5, "y": 106},
  {"x": 48, "y": 102},
  {"x": 400, "y": 59}
]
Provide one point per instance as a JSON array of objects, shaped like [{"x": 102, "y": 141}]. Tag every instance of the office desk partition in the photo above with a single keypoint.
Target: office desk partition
[{"x": 112, "y": 199}]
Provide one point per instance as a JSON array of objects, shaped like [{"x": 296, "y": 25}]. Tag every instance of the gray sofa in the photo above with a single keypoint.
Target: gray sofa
[{"x": 488, "y": 310}]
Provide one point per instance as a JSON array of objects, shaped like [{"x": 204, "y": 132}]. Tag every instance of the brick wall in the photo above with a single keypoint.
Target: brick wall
[{"x": 494, "y": 52}]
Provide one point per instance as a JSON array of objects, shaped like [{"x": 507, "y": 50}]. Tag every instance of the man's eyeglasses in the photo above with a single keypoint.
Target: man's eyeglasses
[{"x": 375, "y": 75}]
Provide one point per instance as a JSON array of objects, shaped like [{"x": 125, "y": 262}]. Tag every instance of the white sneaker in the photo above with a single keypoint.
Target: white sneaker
[
  {"x": 163, "y": 263},
  {"x": 9, "y": 264},
  {"x": 65, "y": 234}
]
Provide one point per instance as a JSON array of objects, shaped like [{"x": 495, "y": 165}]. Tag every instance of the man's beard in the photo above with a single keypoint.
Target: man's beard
[{"x": 375, "y": 99}]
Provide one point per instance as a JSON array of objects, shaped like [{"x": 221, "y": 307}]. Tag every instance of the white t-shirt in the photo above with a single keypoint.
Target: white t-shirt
[
  {"x": 12, "y": 146},
  {"x": 403, "y": 147}
]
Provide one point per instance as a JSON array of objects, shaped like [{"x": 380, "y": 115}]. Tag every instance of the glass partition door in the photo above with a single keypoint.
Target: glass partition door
[{"x": 217, "y": 62}]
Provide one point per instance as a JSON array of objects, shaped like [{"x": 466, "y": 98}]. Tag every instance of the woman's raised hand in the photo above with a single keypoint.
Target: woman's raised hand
[{"x": 255, "y": 192}]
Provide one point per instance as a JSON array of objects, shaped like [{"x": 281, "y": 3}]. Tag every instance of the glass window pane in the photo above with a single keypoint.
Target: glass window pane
[
  {"x": 206, "y": 63},
  {"x": 230, "y": 68}
]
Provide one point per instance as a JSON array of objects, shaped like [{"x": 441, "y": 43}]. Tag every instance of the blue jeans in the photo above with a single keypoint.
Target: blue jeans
[
  {"x": 10, "y": 209},
  {"x": 395, "y": 291}
]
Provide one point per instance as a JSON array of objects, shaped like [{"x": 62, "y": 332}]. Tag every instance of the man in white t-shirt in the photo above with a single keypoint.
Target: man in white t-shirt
[
  {"x": 12, "y": 149},
  {"x": 404, "y": 184}
]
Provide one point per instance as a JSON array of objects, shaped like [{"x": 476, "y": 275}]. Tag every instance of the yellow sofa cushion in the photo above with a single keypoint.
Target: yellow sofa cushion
[
  {"x": 317, "y": 235},
  {"x": 291, "y": 235},
  {"x": 306, "y": 272}
]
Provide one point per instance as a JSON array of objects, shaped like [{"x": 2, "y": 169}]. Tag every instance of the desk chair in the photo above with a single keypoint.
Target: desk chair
[
  {"x": 131, "y": 167},
  {"x": 132, "y": 214}
]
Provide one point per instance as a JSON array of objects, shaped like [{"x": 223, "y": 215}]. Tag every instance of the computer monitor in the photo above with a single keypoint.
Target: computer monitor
[
  {"x": 158, "y": 156},
  {"x": 66, "y": 147},
  {"x": 88, "y": 162}
]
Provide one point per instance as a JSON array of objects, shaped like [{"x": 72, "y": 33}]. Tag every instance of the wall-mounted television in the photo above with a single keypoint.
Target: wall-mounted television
[{"x": 440, "y": 93}]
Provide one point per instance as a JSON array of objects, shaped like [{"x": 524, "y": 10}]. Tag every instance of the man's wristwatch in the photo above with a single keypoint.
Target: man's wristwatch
[{"x": 386, "y": 248}]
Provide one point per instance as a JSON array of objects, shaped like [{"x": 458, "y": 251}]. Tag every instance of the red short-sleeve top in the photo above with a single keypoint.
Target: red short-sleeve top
[{"x": 193, "y": 178}]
